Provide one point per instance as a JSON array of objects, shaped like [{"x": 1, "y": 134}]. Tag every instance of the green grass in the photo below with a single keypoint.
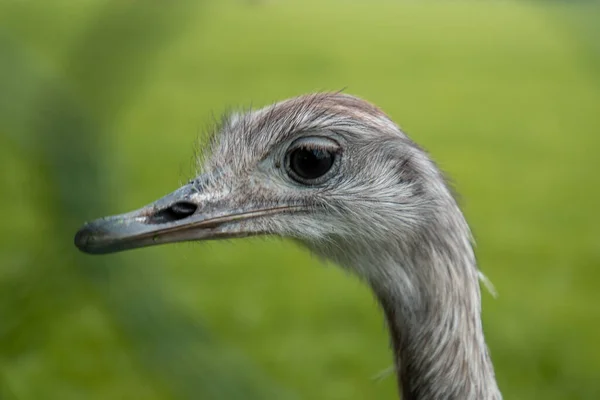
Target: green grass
[{"x": 504, "y": 95}]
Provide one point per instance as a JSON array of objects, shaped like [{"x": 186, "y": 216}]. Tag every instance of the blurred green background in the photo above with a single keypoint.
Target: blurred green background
[{"x": 102, "y": 104}]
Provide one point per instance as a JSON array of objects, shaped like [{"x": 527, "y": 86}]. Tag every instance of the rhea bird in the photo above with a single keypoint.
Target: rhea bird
[{"x": 336, "y": 174}]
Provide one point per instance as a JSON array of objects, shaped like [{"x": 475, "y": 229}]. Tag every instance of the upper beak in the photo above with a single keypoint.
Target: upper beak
[{"x": 186, "y": 214}]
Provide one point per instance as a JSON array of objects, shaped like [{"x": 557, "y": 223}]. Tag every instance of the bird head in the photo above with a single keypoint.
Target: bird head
[{"x": 327, "y": 169}]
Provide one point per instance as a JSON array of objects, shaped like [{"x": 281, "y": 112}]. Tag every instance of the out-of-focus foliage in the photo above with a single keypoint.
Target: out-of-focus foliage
[
  {"x": 121, "y": 323},
  {"x": 101, "y": 103}
]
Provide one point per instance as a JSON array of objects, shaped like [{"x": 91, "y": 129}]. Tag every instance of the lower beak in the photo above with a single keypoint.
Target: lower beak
[{"x": 184, "y": 215}]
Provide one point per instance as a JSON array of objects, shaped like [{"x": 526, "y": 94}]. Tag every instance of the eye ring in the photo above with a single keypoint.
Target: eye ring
[{"x": 312, "y": 160}]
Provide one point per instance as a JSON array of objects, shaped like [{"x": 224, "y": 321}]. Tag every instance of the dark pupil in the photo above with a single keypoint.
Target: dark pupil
[{"x": 310, "y": 163}]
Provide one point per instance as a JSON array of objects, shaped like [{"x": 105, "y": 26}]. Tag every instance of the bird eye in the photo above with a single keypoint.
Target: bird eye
[{"x": 308, "y": 161}]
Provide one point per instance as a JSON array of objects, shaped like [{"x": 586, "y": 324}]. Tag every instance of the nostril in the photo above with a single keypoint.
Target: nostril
[
  {"x": 184, "y": 209},
  {"x": 177, "y": 211}
]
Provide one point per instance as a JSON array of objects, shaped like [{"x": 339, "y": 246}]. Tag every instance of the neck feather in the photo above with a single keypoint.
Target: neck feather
[
  {"x": 429, "y": 291},
  {"x": 438, "y": 341}
]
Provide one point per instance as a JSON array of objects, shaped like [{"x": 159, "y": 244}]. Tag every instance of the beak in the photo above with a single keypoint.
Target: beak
[{"x": 184, "y": 215}]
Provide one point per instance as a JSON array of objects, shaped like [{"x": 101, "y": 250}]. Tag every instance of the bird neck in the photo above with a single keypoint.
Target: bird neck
[
  {"x": 427, "y": 282},
  {"x": 432, "y": 304}
]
